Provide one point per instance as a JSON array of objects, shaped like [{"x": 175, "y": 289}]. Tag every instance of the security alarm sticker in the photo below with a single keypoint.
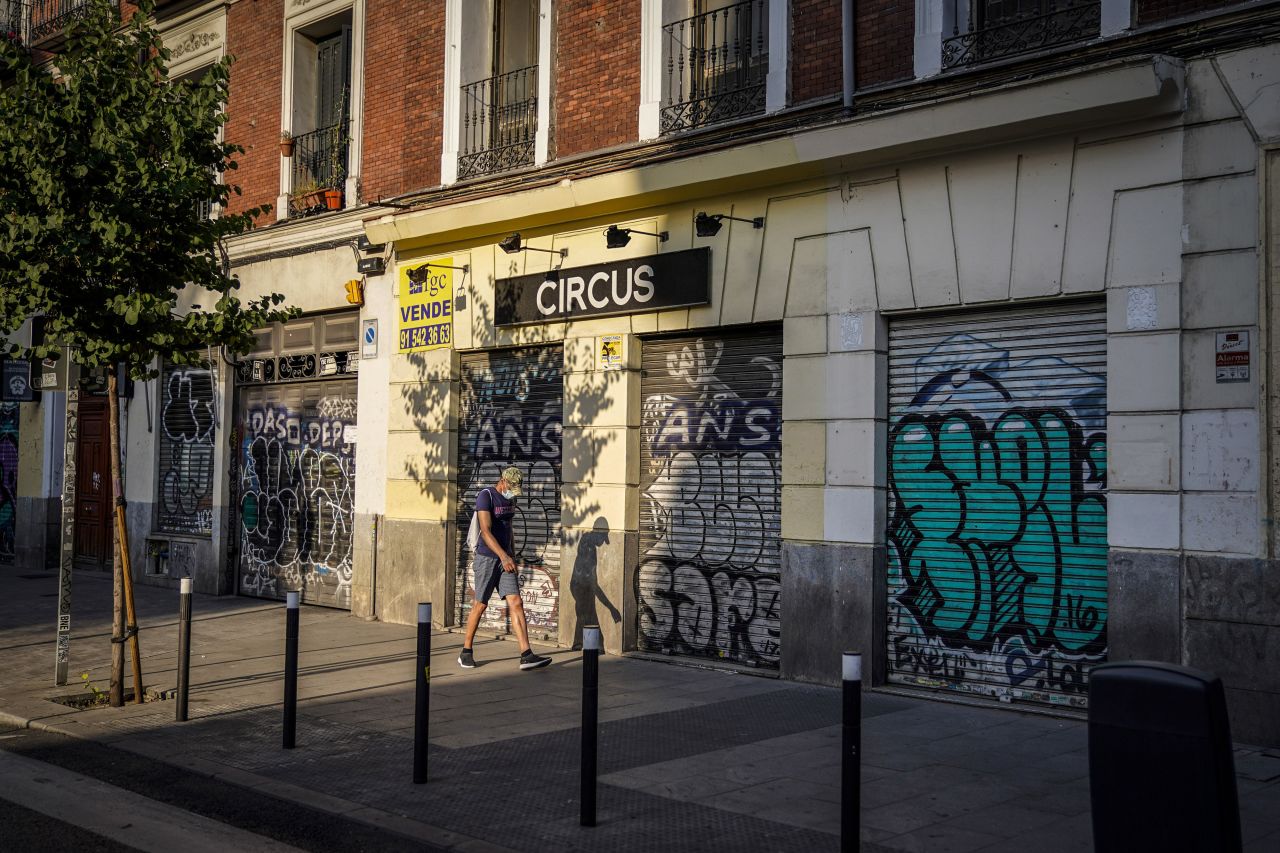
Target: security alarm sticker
[
  {"x": 1231, "y": 356},
  {"x": 426, "y": 306},
  {"x": 611, "y": 352}
]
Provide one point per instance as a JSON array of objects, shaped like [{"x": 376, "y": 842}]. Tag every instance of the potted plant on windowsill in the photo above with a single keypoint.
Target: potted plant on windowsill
[
  {"x": 286, "y": 143},
  {"x": 308, "y": 196},
  {"x": 333, "y": 199}
]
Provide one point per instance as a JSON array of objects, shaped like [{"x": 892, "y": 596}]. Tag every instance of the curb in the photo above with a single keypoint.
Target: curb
[{"x": 439, "y": 837}]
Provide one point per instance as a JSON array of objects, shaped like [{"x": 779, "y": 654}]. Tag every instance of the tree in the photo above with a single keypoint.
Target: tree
[{"x": 105, "y": 165}]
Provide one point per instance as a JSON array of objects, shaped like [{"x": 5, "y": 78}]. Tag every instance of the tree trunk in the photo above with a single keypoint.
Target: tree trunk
[{"x": 123, "y": 571}]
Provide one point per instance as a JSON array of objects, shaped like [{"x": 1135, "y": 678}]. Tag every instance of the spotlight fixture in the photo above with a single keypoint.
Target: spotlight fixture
[
  {"x": 708, "y": 224},
  {"x": 418, "y": 275},
  {"x": 616, "y": 238},
  {"x": 512, "y": 244}
]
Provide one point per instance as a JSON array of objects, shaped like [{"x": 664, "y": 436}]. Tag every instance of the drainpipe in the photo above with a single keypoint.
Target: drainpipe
[{"x": 847, "y": 44}]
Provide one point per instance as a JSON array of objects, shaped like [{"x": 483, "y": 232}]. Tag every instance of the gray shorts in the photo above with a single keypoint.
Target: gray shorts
[{"x": 490, "y": 576}]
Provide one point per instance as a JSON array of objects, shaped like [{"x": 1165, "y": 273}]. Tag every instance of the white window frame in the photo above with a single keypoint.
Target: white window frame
[
  {"x": 297, "y": 18},
  {"x": 452, "y": 115},
  {"x": 195, "y": 44},
  {"x": 777, "y": 90}
]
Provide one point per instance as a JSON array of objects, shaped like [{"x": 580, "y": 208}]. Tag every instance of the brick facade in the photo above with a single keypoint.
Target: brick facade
[
  {"x": 884, "y": 42},
  {"x": 596, "y": 89},
  {"x": 404, "y": 95},
  {"x": 1154, "y": 11},
  {"x": 255, "y": 32},
  {"x": 816, "y": 53}
]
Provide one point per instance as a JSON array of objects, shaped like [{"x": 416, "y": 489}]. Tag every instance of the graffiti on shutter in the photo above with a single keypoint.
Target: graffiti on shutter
[
  {"x": 998, "y": 521},
  {"x": 710, "y": 530},
  {"x": 186, "y": 450},
  {"x": 512, "y": 404},
  {"x": 297, "y": 490},
  {"x": 8, "y": 481}
]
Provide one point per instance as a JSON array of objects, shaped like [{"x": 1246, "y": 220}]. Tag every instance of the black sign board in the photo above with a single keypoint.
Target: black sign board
[
  {"x": 635, "y": 286},
  {"x": 15, "y": 382},
  {"x": 375, "y": 265}
]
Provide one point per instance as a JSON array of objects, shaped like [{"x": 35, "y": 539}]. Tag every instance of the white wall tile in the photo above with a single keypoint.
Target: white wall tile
[
  {"x": 927, "y": 212},
  {"x": 1220, "y": 289},
  {"x": 853, "y": 514},
  {"x": 1221, "y": 213},
  {"x": 983, "y": 189},
  {"x": 1142, "y": 452},
  {"x": 1146, "y": 237},
  {"x": 1040, "y": 230},
  {"x": 1147, "y": 520},
  {"x": 1220, "y": 450},
  {"x": 1220, "y": 523},
  {"x": 1142, "y": 372}
]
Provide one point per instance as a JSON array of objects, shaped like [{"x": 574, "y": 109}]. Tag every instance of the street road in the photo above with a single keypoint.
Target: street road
[{"x": 58, "y": 793}]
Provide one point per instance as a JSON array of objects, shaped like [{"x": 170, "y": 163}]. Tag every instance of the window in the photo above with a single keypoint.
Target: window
[
  {"x": 715, "y": 56},
  {"x": 494, "y": 87},
  {"x": 499, "y": 98},
  {"x": 983, "y": 30},
  {"x": 14, "y": 20},
  {"x": 321, "y": 116},
  {"x": 206, "y": 209}
]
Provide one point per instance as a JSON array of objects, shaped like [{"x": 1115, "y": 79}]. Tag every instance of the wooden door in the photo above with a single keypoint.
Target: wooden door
[{"x": 93, "y": 485}]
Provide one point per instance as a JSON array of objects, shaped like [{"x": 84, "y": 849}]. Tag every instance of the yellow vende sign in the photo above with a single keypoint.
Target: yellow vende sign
[{"x": 426, "y": 306}]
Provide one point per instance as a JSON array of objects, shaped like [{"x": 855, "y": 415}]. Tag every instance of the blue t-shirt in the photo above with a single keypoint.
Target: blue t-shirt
[{"x": 502, "y": 511}]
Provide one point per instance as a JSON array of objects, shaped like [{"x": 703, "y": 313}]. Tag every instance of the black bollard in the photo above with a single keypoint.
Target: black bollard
[
  {"x": 290, "y": 669},
  {"x": 592, "y": 644},
  {"x": 422, "y": 703},
  {"x": 851, "y": 754},
  {"x": 184, "y": 647}
]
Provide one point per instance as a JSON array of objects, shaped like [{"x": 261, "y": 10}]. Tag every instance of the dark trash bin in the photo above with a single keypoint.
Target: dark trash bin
[{"x": 1161, "y": 773}]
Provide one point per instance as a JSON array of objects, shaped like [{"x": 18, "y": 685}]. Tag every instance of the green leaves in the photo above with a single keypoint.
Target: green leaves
[{"x": 101, "y": 172}]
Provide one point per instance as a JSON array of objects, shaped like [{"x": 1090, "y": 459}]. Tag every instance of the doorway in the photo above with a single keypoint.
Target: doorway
[{"x": 93, "y": 536}]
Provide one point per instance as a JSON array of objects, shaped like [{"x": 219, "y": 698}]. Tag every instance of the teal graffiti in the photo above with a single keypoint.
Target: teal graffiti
[{"x": 998, "y": 531}]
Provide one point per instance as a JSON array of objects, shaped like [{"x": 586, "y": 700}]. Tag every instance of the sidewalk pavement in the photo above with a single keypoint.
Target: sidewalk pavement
[{"x": 690, "y": 759}]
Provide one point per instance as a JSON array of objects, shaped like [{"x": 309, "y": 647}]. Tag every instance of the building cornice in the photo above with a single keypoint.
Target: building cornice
[{"x": 1125, "y": 90}]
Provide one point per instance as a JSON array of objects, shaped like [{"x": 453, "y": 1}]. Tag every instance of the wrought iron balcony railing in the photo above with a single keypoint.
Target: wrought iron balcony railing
[
  {"x": 319, "y": 171},
  {"x": 993, "y": 29},
  {"x": 49, "y": 18},
  {"x": 499, "y": 123},
  {"x": 716, "y": 66}
]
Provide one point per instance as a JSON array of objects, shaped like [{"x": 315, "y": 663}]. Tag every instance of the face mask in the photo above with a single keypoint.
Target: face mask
[{"x": 506, "y": 493}]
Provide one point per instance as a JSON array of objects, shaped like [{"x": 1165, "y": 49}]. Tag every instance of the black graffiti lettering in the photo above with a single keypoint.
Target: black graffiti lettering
[
  {"x": 297, "y": 499},
  {"x": 187, "y": 450},
  {"x": 708, "y": 582}
]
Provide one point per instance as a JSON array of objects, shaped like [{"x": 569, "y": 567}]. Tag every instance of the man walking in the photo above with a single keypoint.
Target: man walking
[{"x": 495, "y": 569}]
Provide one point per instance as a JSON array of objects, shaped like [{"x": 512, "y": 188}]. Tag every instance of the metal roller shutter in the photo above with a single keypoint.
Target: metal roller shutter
[
  {"x": 710, "y": 481},
  {"x": 511, "y": 412},
  {"x": 8, "y": 482},
  {"x": 297, "y": 475},
  {"x": 997, "y": 502},
  {"x": 187, "y": 419}
]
